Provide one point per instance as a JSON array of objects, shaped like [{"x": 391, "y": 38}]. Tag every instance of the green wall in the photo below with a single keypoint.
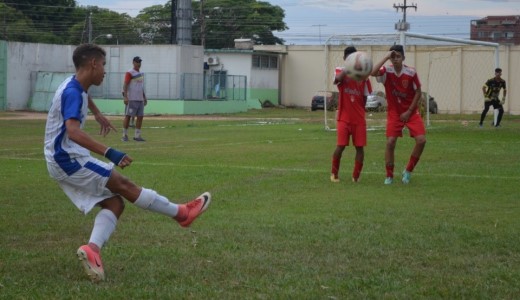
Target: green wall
[
  {"x": 257, "y": 95},
  {"x": 175, "y": 107}
]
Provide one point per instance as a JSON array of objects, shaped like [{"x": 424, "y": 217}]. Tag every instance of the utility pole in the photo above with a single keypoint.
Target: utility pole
[
  {"x": 90, "y": 28},
  {"x": 319, "y": 30},
  {"x": 202, "y": 25},
  {"x": 402, "y": 26},
  {"x": 173, "y": 34}
]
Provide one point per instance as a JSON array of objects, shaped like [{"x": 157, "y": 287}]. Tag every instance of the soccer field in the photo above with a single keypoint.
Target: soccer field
[{"x": 277, "y": 227}]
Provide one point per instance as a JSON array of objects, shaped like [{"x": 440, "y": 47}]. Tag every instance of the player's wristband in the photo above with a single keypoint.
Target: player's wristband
[{"x": 114, "y": 156}]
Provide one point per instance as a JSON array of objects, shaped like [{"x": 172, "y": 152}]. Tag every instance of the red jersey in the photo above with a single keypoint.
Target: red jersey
[
  {"x": 351, "y": 102},
  {"x": 400, "y": 90}
]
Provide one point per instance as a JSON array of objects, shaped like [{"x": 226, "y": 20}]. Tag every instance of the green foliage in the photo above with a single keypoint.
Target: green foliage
[
  {"x": 62, "y": 22},
  {"x": 277, "y": 227},
  {"x": 223, "y": 21},
  {"x": 156, "y": 22}
]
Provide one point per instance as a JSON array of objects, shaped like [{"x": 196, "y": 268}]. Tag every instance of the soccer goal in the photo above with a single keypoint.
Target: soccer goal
[{"x": 452, "y": 71}]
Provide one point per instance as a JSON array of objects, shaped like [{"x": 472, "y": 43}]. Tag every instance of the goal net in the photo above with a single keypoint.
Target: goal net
[{"x": 452, "y": 71}]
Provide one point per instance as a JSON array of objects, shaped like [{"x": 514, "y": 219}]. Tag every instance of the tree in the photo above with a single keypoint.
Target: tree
[
  {"x": 15, "y": 26},
  {"x": 156, "y": 22},
  {"x": 220, "y": 22},
  {"x": 49, "y": 19},
  {"x": 123, "y": 28}
]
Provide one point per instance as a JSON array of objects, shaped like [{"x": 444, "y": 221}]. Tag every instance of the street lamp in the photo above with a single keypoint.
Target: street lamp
[{"x": 107, "y": 36}]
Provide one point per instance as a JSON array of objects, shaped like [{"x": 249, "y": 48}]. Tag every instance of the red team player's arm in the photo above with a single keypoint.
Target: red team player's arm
[
  {"x": 406, "y": 115},
  {"x": 339, "y": 76},
  {"x": 377, "y": 66},
  {"x": 413, "y": 106}
]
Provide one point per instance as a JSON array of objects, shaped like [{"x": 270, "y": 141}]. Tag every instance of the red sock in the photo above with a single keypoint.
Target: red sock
[
  {"x": 358, "y": 166},
  {"x": 412, "y": 163},
  {"x": 390, "y": 171},
  {"x": 335, "y": 165}
]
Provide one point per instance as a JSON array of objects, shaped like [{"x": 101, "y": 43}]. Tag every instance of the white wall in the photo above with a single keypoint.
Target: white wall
[{"x": 24, "y": 59}]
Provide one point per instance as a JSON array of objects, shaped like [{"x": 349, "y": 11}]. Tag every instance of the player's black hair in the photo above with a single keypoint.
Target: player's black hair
[
  {"x": 498, "y": 70},
  {"x": 398, "y": 48},
  {"x": 85, "y": 52},
  {"x": 349, "y": 50}
]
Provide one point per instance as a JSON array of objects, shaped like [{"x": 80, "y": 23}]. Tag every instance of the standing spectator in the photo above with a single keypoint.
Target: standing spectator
[
  {"x": 491, "y": 90},
  {"x": 351, "y": 120},
  {"x": 134, "y": 99},
  {"x": 88, "y": 181},
  {"x": 403, "y": 91}
]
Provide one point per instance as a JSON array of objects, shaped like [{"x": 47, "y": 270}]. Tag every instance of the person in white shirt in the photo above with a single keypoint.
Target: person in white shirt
[{"x": 89, "y": 181}]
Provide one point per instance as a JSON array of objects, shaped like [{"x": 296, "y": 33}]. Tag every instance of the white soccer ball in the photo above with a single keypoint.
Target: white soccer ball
[{"x": 358, "y": 66}]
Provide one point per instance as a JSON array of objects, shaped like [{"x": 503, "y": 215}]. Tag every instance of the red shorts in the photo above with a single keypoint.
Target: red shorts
[
  {"x": 394, "y": 126},
  {"x": 356, "y": 131}
]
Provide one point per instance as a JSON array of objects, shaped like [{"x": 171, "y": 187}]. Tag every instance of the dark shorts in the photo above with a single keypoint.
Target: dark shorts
[{"x": 135, "y": 109}]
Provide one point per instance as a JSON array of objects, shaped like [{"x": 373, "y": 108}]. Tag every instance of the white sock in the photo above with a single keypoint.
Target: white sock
[
  {"x": 150, "y": 200},
  {"x": 125, "y": 132},
  {"x": 138, "y": 133},
  {"x": 104, "y": 226}
]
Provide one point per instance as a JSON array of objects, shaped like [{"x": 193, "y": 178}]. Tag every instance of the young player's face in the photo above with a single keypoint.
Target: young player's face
[
  {"x": 98, "y": 71},
  {"x": 396, "y": 58}
]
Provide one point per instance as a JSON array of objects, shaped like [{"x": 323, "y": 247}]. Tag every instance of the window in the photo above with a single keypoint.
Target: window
[
  {"x": 265, "y": 61},
  {"x": 256, "y": 61},
  {"x": 273, "y": 62},
  {"x": 509, "y": 35}
]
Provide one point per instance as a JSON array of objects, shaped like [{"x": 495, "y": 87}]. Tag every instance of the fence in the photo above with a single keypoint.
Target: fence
[
  {"x": 187, "y": 86},
  {"x": 158, "y": 86}
]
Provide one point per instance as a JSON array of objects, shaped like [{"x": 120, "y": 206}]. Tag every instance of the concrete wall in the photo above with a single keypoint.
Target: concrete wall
[
  {"x": 26, "y": 59},
  {"x": 454, "y": 75}
]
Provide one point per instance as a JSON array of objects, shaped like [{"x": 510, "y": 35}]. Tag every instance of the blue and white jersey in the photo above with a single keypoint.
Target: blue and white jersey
[{"x": 70, "y": 102}]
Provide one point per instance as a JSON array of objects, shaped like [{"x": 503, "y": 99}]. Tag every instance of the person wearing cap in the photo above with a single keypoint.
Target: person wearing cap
[
  {"x": 491, "y": 90},
  {"x": 351, "y": 122},
  {"x": 134, "y": 99},
  {"x": 403, "y": 91}
]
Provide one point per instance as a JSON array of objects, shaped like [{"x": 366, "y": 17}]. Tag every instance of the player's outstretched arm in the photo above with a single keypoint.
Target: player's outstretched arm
[
  {"x": 106, "y": 126},
  {"x": 81, "y": 138},
  {"x": 377, "y": 66}
]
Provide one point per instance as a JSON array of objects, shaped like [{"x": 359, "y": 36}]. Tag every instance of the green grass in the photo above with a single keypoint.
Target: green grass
[{"x": 277, "y": 228}]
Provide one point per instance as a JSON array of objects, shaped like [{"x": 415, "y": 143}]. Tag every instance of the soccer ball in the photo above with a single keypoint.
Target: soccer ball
[{"x": 358, "y": 66}]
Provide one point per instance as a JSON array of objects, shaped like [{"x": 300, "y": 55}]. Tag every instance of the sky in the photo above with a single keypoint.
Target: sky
[{"x": 313, "y": 21}]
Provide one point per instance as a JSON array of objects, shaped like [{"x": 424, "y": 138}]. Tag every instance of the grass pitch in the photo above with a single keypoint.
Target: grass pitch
[{"x": 277, "y": 228}]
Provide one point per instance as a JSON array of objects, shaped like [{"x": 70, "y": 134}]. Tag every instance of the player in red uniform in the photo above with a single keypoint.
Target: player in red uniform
[
  {"x": 350, "y": 119},
  {"x": 403, "y": 91}
]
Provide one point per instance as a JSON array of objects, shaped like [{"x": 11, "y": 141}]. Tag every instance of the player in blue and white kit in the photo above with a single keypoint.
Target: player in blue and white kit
[{"x": 88, "y": 181}]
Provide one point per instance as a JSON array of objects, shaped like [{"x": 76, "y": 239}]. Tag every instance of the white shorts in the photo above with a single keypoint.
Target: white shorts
[{"x": 87, "y": 186}]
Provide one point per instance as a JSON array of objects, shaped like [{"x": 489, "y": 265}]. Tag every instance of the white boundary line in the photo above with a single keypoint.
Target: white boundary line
[{"x": 294, "y": 170}]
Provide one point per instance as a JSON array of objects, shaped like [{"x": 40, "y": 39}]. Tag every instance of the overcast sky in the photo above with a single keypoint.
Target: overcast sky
[{"x": 312, "y": 21}]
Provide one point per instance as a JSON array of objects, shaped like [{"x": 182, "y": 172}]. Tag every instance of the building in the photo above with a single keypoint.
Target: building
[{"x": 497, "y": 29}]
